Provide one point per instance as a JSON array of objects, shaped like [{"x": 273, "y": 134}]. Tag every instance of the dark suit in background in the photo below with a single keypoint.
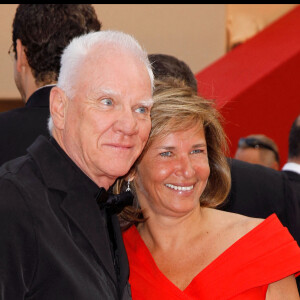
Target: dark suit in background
[
  {"x": 258, "y": 191},
  {"x": 292, "y": 167},
  {"x": 294, "y": 179},
  {"x": 53, "y": 234},
  {"x": 20, "y": 127},
  {"x": 293, "y": 175}
]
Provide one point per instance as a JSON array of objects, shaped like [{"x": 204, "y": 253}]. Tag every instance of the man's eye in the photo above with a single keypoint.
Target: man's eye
[
  {"x": 142, "y": 110},
  {"x": 107, "y": 101},
  {"x": 167, "y": 153}
]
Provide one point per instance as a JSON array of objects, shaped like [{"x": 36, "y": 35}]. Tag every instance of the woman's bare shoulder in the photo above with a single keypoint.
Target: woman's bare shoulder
[
  {"x": 285, "y": 288},
  {"x": 236, "y": 224}
]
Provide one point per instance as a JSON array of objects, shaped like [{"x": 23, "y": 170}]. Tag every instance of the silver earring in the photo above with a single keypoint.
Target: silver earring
[{"x": 128, "y": 186}]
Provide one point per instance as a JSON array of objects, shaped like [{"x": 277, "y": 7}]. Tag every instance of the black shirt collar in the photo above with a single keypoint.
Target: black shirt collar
[
  {"x": 58, "y": 169},
  {"x": 90, "y": 184}
]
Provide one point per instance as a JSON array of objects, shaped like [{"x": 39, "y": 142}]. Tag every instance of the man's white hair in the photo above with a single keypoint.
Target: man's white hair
[{"x": 75, "y": 53}]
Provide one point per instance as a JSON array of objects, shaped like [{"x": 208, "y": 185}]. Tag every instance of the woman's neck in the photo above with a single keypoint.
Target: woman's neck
[{"x": 165, "y": 233}]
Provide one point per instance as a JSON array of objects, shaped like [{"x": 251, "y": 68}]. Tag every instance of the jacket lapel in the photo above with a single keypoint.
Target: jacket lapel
[
  {"x": 123, "y": 260},
  {"x": 79, "y": 203},
  {"x": 86, "y": 215}
]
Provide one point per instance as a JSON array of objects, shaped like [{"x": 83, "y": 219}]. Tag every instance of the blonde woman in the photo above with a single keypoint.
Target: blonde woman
[{"x": 178, "y": 245}]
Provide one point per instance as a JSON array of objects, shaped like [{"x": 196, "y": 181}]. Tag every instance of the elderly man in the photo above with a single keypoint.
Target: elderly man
[{"x": 58, "y": 237}]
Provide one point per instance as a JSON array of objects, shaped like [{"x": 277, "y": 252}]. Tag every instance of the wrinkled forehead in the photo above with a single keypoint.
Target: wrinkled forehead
[
  {"x": 114, "y": 56},
  {"x": 115, "y": 71}
]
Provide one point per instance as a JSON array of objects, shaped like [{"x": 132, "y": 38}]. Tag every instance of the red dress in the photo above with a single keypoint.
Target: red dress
[{"x": 265, "y": 254}]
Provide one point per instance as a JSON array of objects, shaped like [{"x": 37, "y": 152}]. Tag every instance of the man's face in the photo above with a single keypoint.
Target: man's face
[
  {"x": 250, "y": 155},
  {"x": 108, "y": 122}
]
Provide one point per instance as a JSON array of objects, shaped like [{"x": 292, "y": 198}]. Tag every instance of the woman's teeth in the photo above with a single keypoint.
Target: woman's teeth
[{"x": 179, "y": 188}]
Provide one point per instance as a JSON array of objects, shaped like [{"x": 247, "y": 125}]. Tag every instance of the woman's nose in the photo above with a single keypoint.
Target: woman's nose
[{"x": 185, "y": 167}]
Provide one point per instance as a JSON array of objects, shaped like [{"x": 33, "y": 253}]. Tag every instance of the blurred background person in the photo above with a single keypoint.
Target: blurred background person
[
  {"x": 165, "y": 66},
  {"x": 258, "y": 149},
  {"x": 40, "y": 32}
]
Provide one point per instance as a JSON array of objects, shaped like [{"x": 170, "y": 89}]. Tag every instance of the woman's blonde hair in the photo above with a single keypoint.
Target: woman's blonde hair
[{"x": 177, "y": 107}]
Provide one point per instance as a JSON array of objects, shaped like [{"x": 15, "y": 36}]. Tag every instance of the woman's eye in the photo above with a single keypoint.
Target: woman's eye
[
  {"x": 142, "y": 110},
  {"x": 107, "y": 101},
  {"x": 196, "y": 151},
  {"x": 167, "y": 153}
]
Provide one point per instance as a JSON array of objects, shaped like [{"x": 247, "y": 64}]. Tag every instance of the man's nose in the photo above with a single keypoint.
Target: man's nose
[{"x": 127, "y": 122}]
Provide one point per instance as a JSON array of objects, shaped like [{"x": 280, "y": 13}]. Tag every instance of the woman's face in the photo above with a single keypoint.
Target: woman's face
[{"x": 173, "y": 173}]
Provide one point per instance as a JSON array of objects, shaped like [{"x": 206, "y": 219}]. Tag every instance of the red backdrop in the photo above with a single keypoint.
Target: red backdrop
[{"x": 256, "y": 86}]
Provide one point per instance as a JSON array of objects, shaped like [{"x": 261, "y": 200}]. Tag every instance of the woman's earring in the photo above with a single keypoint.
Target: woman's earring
[{"x": 128, "y": 186}]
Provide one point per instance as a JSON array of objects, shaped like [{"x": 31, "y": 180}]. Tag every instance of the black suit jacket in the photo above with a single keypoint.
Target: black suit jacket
[
  {"x": 294, "y": 180},
  {"x": 20, "y": 127},
  {"x": 258, "y": 191},
  {"x": 54, "y": 239}
]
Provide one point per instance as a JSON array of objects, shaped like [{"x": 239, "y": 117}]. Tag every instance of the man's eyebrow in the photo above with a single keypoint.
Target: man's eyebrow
[
  {"x": 95, "y": 92},
  {"x": 106, "y": 91},
  {"x": 111, "y": 92},
  {"x": 147, "y": 103}
]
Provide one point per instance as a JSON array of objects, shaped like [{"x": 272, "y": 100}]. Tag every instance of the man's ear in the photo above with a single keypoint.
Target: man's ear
[
  {"x": 58, "y": 104},
  {"x": 21, "y": 56}
]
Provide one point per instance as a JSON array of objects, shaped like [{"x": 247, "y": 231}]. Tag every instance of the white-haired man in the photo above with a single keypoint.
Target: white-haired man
[{"x": 59, "y": 239}]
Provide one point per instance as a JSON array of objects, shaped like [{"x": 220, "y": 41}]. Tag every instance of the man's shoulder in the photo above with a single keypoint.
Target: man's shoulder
[
  {"x": 292, "y": 176},
  {"x": 13, "y": 190},
  {"x": 21, "y": 183},
  {"x": 293, "y": 179},
  {"x": 19, "y": 128},
  {"x": 15, "y": 169},
  {"x": 243, "y": 169},
  {"x": 256, "y": 191},
  {"x": 37, "y": 103},
  {"x": 26, "y": 115},
  {"x": 27, "y": 166},
  {"x": 40, "y": 98},
  {"x": 12, "y": 114}
]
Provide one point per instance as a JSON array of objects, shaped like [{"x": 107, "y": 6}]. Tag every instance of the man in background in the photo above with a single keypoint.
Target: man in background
[
  {"x": 164, "y": 65},
  {"x": 258, "y": 149},
  {"x": 40, "y": 33}
]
